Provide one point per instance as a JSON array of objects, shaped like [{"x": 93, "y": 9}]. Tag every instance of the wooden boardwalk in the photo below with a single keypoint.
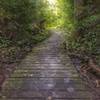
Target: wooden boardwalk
[{"x": 46, "y": 74}]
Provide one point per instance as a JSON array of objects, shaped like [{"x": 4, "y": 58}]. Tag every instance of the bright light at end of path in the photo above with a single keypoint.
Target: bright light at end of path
[
  {"x": 52, "y": 2},
  {"x": 53, "y": 6}
]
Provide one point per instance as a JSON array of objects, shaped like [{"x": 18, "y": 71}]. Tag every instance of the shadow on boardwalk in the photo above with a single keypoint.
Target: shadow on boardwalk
[{"x": 46, "y": 74}]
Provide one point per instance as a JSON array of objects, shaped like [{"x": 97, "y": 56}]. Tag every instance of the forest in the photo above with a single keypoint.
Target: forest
[{"x": 26, "y": 23}]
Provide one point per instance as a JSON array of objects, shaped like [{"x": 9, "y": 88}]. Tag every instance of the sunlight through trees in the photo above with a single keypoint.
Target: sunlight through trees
[
  {"x": 52, "y": 2},
  {"x": 24, "y": 23}
]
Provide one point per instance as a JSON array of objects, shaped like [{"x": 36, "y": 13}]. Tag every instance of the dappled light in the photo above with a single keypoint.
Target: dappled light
[
  {"x": 52, "y": 2},
  {"x": 49, "y": 49}
]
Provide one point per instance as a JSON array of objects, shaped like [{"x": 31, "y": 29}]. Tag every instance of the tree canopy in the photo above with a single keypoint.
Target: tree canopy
[{"x": 21, "y": 20}]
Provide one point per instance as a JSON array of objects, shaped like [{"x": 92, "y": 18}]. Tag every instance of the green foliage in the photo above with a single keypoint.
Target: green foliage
[
  {"x": 39, "y": 37},
  {"x": 23, "y": 24},
  {"x": 88, "y": 21},
  {"x": 20, "y": 20},
  {"x": 4, "y": 42},
  {"x": 67, "y": 6},
  {"x": 20, "y": 16},
  {"x": 82, "y": 35}
]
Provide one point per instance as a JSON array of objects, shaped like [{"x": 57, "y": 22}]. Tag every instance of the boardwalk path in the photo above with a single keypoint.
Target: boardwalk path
[{"x": 46, "y": 74}]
